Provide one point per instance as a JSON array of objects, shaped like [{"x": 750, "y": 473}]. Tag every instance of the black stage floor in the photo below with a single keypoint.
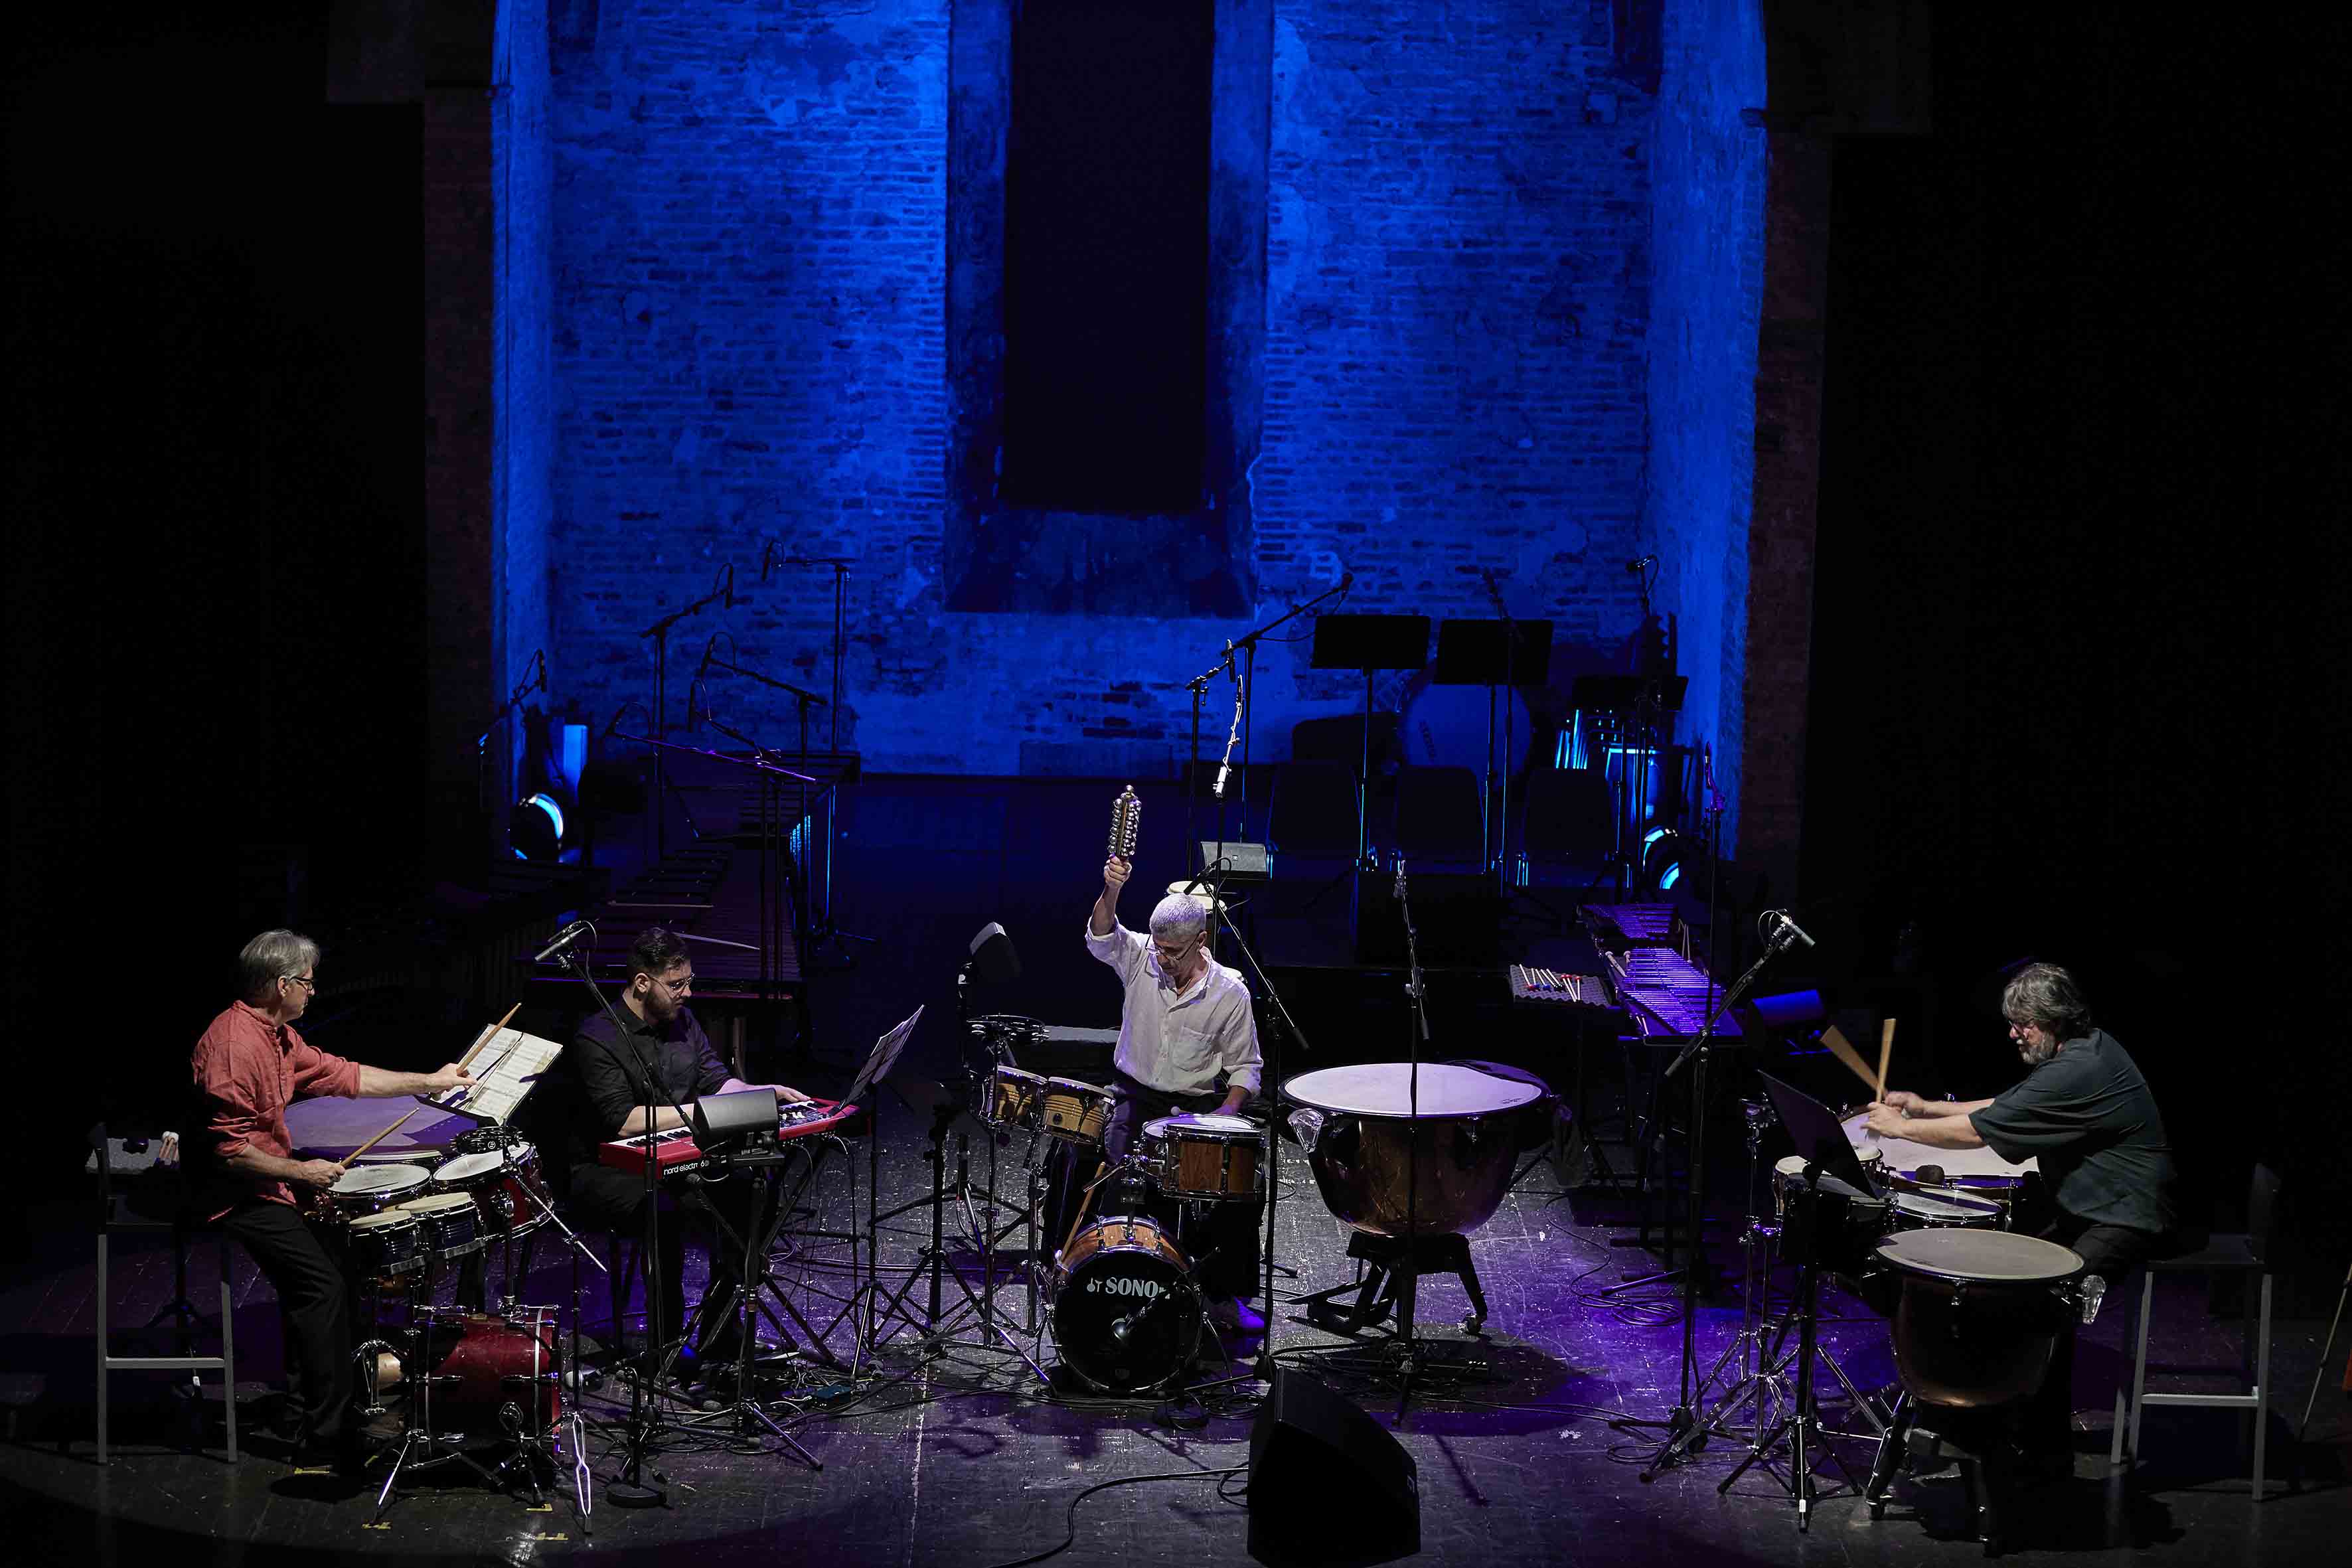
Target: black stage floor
[{"x": 1529, "y": 1452}]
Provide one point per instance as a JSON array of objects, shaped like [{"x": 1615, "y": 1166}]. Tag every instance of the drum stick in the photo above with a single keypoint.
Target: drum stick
[
  {"x": 378, "y": 1138},
  {"x": 1102, "y": 1175},
  {"x": 487, "y": 1037},
  {"x": 1885, "y": 1051},
  {"x": 1846, "y": 1053}
]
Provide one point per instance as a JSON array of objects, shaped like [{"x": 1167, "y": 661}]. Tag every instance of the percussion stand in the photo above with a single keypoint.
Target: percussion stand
[
  {"x": 584, "y": 1480},
  {"x": 1684, "y": 1430},
  {"x": 1803, "y": 1420}
]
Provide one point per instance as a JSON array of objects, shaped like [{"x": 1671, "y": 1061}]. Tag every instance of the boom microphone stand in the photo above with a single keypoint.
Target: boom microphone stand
[
  {"x": 630, "y": 1490},
  {"x": 1682, "y": 1427},
  {"x": 659, "y": 633}
]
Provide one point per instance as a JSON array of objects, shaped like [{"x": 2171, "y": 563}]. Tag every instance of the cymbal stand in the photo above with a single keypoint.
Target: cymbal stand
[{"x": 1803, "y": 1422}]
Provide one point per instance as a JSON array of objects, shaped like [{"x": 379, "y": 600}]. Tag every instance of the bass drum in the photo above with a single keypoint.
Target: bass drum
[
  {"x": 1125, "y": 1313},
  {"x": 1446, "y": 726},
  {"x": 496, "y": 1378}
]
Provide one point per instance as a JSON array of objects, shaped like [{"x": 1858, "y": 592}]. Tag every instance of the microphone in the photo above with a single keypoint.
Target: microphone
[
  {"x": 767, "y": 560},
  {"x": 1784, "y": 926},
  {"x": 560, "y": 941},
  {"x": 704, "y": 667},
  {"x": 730, "y": 585},
  {"x": 1644, "y": 562},
  {"x": 1400, "y": 880},
  {"x": 1347, "y": 580},
  {"x": 539, "y": 658},
  {"x": 1223, "y": 770}
]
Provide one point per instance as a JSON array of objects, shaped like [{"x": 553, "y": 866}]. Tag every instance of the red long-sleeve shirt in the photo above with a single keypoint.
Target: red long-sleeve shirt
[{"x": 246, "y": 1071}]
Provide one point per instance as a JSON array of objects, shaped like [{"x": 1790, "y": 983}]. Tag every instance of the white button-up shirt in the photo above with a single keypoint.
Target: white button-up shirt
[{"x": 1179, "y": 1041}]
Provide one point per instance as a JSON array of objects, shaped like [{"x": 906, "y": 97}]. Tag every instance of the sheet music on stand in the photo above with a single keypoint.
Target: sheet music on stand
[
  {"x": 517, "y": 1061},
  {"x": 880, "y": 1060}
]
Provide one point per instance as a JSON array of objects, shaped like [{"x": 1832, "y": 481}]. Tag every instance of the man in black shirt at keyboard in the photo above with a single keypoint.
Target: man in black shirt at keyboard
[
  {"x": 2085, "y": 1114},
  {"x": 608, "y": 1068}
]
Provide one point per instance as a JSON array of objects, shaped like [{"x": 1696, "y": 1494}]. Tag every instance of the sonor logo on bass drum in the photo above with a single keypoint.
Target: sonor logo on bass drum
[{"x": 1120, "y": 1286}]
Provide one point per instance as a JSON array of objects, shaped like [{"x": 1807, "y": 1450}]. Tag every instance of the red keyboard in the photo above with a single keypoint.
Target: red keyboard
[{"x": 675, "y": 1152}]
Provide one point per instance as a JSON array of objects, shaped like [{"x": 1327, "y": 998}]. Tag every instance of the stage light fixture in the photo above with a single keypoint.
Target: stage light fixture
[
  {"x": 537, "y": 829},
  {"x": 1661, "y": 859}
]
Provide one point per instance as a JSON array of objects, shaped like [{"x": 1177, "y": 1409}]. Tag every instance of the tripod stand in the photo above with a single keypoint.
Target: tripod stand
[
  {"x": 931, "y": 1266},
  {"x": 1800, "y": 1427}
]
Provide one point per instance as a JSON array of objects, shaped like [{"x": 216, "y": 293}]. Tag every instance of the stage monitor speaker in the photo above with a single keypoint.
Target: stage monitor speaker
[{"x": 1328, "y": 1486}]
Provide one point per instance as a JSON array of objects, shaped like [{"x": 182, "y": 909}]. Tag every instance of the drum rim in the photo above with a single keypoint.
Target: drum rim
[
  {"x": 441, "y": 1204},
  {"x": 389, "y": 1219},
  {"x": 378, "y": 1188},
  {"x": 1979, "y": 1208},
  {"x": 498, "y": 1161},
  {"x": 1210, "y": 1121}
]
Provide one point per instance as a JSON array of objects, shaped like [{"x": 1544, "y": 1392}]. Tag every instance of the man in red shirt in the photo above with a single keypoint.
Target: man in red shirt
[{"x": 247, "y": 1066}]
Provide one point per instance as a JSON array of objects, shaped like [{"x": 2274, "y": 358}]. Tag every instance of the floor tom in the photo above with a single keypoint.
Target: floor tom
[{"x": 384, "y": 1245}]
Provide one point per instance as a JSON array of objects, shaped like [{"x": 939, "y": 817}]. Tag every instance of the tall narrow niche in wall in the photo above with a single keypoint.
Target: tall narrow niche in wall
[
  {"x": 1107, "y": 241},
  {"x": 1107, "y": 255}
]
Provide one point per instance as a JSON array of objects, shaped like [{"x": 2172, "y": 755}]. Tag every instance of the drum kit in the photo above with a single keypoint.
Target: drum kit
[
  {"x": 1125, "y": 1310},
  {"x": 475, "y": 1380}
]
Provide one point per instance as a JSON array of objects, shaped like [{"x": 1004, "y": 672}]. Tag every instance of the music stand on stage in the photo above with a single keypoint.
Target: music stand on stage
[
  {"x": 1368, "y": 643},
  {"x": 1501, "y": 656}
]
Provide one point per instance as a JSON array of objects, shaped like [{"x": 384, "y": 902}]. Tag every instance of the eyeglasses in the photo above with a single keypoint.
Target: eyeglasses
[
  {"x": 301, "y": 980},
  {"x": 676, "y": 987}
]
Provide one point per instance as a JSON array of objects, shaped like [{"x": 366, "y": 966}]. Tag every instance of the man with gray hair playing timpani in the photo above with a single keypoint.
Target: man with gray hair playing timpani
[
  {"x": 1187, "y": 1042},
  {"x": 2084, "y": 1111},
  {"x": 247, "y": 1067}
]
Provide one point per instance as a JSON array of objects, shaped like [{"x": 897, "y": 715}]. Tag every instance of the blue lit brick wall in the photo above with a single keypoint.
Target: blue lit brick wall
[
  {"x": 749, "y": 222},
  {"x": 1706, "y": 173}
]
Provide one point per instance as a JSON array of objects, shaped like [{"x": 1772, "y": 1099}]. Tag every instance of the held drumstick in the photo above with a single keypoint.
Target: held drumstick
[
  {"x": 1885, "y": 1051},
  {"x": 1846, "y": 1053},
  {"x": 467, "y": 1061},
  {"x": 379, "y": 1137}
]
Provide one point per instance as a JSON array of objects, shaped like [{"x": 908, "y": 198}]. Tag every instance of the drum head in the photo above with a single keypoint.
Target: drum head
[
  {"x": 433, "y": 1204},
  {"x": 375, "y": 1181},
  {"x": 1992, "y": 1256},
  {"x": 467, "y": 1168},
  {"x": 389, "y": 1220},
  {"x": 1125, "y": 1315},
  {"x": 1383, "y": 1089},
  {"x": 1210, "y": 1123}
]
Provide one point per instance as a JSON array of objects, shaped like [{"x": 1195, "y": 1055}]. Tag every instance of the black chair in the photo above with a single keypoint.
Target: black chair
[
  {"x": 1440, "y": 816},
  {"x": 1313, "y": 813},
  {"x": 1569, "y": 821},
  {"x": 2247, "y": 1255}
]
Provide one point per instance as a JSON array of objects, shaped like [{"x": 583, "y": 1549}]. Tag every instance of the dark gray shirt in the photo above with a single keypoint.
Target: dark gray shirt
[{"x": 2087, "y": 1115}]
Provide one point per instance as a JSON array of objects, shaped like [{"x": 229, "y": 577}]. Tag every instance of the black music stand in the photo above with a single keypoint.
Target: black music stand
[
  {"x": 1368, "y": 643},
  {"x": 1501, "y": 656}
]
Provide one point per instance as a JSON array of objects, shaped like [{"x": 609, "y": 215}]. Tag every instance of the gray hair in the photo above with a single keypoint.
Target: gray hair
[
  {"x": 268, "y": 958},
  {"x": 1179, "y": 917},
  {"x": 2046, "y": 996}
]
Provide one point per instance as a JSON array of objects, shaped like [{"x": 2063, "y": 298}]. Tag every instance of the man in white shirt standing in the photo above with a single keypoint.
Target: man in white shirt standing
[{"x": 1187, "y": 1042}]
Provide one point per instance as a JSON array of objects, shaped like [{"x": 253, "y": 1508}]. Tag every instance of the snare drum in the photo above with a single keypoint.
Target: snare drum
[
  {"x": 371, "y": 1189},
  {"x": 385, "y": 1244},
  {"x": 1210, "y": 1156},
  {"x": 1075, "y": 1113},
  {"x": 1914, "y": 1210},
  {"x": 450, "y": 1226},
  {"x": 502, "y": 1184},
  {"x": 1014, "y": 1100}
]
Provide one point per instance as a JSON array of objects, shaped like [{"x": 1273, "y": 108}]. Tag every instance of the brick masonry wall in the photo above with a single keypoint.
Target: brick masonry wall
[
  {"x": 1708, "y": 180},
  {"x": 750, "y": 283}
]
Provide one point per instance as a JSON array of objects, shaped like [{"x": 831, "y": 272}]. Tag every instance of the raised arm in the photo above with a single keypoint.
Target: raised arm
[{"x": 1105, "y": 914}]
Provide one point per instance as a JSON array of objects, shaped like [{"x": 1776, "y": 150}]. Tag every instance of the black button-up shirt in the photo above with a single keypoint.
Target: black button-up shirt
[
  {"x": 608, "y": 1067},
  {"x": 2087, "y": 1115}
]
